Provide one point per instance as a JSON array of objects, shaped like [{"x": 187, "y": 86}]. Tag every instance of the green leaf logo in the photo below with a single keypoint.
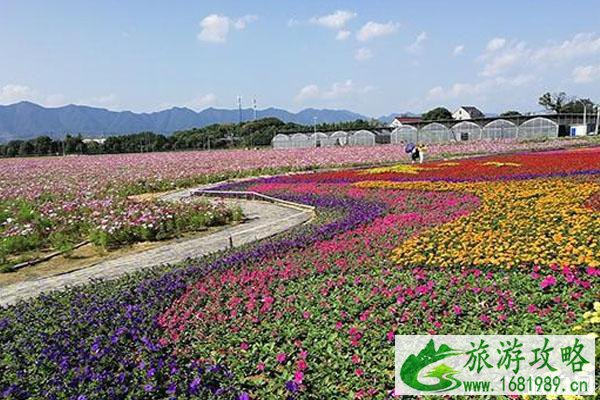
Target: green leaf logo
[{"x": 413, "y": 365}]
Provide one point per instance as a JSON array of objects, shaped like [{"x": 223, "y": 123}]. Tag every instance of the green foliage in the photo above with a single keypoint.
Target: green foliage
[
  {"x": 511, "y": 113},
  {"x": 439, "y": 113}
]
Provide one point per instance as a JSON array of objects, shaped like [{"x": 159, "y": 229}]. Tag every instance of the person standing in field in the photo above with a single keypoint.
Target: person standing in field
[{"x": 417, "y": 153}]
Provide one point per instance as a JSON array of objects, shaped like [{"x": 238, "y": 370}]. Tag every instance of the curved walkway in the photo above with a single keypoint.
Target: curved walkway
[{"x": 264, "y": 219}]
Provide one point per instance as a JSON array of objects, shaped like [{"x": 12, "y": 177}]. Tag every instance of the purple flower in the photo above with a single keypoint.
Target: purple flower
[{"x": 291, "y": 386}]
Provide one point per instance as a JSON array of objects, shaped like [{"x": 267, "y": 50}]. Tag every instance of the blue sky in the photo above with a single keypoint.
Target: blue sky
[{"x": 373, "y": 57}]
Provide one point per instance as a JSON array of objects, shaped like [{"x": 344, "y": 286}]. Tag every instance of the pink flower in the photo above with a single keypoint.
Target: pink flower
[
  {"x": 539, "y": 330},
  {"x": 302, "y": 365},
  {"x": 281, "y": 357},
  {"x": 260, "y": 366},
  {"x": 390, "y": 336},
  {"x": 485, "y": 319},
  {"x": 298, "y": 377},
  {"x": 531, "y": 308},
  {"x": 547, "y": 282},
  {"x": 457, "y": 310},
  {"x": 359, "y": 372},
  {"x": 306, "y": 315},
  {"x": 339, "y": 325},
  {"x": 355, "y": 359}
]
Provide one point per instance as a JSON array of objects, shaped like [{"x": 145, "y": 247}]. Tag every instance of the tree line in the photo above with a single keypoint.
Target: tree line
[{"x": 217, "y": 136}]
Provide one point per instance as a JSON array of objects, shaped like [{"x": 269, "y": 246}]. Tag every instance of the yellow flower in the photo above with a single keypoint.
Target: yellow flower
[
  {"x": 537, "y": 221},
  {"x": 501, "y": 164}
]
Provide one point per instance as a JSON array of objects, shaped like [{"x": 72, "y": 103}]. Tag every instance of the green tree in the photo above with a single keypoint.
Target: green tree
[
  {"x": 439, "y": 113},
  {"x": 553, "y": 101},
  {"x": 511, "y": 113},
  {"x": 575, "y": 106}
]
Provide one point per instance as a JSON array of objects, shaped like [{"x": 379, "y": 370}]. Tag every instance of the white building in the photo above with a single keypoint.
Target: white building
[{"x": 467, "y": 112}]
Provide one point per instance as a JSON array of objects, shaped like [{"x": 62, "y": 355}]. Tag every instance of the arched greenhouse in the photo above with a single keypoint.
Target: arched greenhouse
[
  {"x": 537, "y": 128},
  {"x": 339, "y": 138},
  {"x": 466, "y": 130},
  {"x": 281, "y": 141},
  {"x": 406, "y": 134},
  {"x": 362, "y": 138},
  {"x": 434, "y": 133},
  {"x": 317, "y": 139},
  {"x": 301, "y": 141},
  {"x": 500, "y": 129}
]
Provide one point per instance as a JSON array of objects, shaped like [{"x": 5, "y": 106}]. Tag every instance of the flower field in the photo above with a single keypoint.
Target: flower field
[
  {"x": 496, "y": 244},
  {"x": 54, "y": 203}
]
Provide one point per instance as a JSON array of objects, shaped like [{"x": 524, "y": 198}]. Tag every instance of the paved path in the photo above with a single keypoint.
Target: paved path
[{"x": 264, "y": 220}]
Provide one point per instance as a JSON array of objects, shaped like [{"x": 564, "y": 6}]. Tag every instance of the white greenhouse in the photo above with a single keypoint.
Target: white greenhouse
[
  {"x": 301, "y": 141},
  {"x": 466, "y": 130},
  {"x": 318, "y": 138},
  {"x": 362, "y": 138},
  {"x": 339, "y": 138},
  {"x": 434, "y": 133},
  {"x": 404, "y": 134},
  {"x": 538, "y": 128},
  {"x": 500, "y": 129},
  {"x": 281, "y": 141}
]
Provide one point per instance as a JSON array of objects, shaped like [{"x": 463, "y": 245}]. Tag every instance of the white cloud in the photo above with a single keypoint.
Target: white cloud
[
  {"x": 458, "y": 50},
  {"x": 496, "y": 44},
  {"x": 14, "y": 93},
  {"x": 502, "y": 56},
  {"x": 215, "y": 28},
  {"x": 202, "y": 102},
  {"x": 336, "y": 20},
  {"x": 336, "y": 91},
  {"x": 582, "y": 44},
  {"x": 241, "y": 22},
  {"x": 586, "y": 74},
  {"x": 475, "y": 90},
  {"x": 308, "y": 92},
  {"x": 342, "y": 35},
  {"x": 417, "y": 45},
  {"x": 363, "y": 54},
  {"x": 372, "y": 30},
  {"x": 292, "y": 22}
]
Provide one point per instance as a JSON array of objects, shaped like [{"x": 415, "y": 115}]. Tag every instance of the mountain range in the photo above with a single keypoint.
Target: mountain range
[{"x": 25, "y": 120}]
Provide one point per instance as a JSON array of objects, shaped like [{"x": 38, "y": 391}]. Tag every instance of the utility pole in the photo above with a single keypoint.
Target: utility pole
[
  {"x": 597, "y": 118},
  {"x": 239, "y": 99},
  {"x": 254, "y": 106},
  {"x": 315, "y": 129}
]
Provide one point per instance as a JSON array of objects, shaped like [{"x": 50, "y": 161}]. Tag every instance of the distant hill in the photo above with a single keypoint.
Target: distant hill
[{"x": 26, "y": 120}]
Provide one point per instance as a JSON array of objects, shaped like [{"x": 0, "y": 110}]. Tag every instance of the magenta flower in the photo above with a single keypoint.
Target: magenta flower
[
  {"x": 539, "y": 330},
  {"x": 548, "y": 281},
  {"x": 298, "y": 377},
  {"x": 281, "y": 357},
  {"x": 457, "y": 310}
]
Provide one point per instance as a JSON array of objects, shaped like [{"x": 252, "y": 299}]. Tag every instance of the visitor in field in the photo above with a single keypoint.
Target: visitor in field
[{"x": 416, "y": 152}]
